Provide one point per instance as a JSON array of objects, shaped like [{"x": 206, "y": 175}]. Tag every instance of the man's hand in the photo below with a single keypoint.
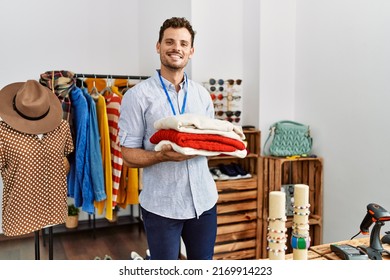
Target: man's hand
[{"x": 168, "y": 154}]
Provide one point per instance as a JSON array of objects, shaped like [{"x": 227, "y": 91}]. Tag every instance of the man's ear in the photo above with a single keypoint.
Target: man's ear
[
  {"x": 158, "y": 47},
  {"x": 191, "y": 53}
]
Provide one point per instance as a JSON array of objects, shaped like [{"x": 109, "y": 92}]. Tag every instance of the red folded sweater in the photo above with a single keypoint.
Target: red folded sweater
[{"x": 207, "y": 142}]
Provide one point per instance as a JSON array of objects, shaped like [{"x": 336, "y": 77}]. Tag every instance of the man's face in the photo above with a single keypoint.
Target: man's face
[{"x": 175, "y": 48}]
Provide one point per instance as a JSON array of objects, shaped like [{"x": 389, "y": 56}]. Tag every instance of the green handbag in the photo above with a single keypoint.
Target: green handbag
[{"x": 289, "y": 138}]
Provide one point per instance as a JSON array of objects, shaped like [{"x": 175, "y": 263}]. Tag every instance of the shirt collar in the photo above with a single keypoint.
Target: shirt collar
[{"x": 167, "y": 83}]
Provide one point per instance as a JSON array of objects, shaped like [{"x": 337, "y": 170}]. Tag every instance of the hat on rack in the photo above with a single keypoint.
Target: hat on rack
[{"x": 30, "y": 107}]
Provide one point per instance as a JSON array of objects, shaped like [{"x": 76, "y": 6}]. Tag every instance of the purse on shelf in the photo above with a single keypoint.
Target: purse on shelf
[{"x": 288, "y": 138}]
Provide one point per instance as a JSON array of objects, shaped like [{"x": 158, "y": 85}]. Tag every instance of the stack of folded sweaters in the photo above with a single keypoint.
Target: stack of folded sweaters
[{"x": 193, "y": 134}]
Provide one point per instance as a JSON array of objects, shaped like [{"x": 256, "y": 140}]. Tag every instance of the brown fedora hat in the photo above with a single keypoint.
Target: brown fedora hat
[{"x": 30, "y": 107}]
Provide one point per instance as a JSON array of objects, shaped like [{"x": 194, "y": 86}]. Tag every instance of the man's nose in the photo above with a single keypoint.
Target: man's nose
[{"x": 177, "y": 46}]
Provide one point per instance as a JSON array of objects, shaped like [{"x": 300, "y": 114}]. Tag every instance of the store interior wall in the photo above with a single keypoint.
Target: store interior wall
[
  {"x": 326, "y": 63},
  {"x": 321, "y": 62},
  {"x": 342, "y": 70}
]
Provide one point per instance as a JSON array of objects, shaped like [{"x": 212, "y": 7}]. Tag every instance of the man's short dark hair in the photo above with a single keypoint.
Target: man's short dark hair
[{"x": 177, "y": 22}]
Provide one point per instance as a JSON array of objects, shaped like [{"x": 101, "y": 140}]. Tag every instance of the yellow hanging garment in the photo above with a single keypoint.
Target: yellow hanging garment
[{"x": 106, "y": 157}]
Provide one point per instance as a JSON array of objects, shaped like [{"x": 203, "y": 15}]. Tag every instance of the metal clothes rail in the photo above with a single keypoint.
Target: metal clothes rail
[{"x": 109, "y": 76}]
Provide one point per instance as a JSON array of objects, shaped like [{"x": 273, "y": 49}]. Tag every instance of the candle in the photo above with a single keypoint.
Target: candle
[
  {"x": 277, "y": 202},
  {"x": 301, "y": 220},
  {"x": 277, "y": 225}
]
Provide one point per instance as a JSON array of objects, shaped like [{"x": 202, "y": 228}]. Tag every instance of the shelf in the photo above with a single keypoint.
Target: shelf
[
  {"x": 239, "y": 206},
  {"x": 225, "y": 157},
  {"x": 239, "y": 184},
  {"x": 282, "y": 171}
]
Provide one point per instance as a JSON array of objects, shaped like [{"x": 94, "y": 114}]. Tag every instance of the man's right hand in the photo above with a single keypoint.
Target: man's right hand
[{"x": 168, "y": 154}]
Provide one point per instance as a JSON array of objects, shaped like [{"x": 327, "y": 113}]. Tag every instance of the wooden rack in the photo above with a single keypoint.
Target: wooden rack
[{"x": 278, "y": 171}]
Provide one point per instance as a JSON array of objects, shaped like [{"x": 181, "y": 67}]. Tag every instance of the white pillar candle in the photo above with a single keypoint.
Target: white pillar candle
[
  {"x": 301, "y": 219},
  {"x": 277, "y": 225},
  {"x": 277, "y": 202}
]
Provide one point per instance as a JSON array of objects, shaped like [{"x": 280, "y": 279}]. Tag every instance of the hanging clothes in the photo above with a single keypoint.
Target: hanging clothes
[
  {"x": 100, "y": 84},
  {"x": 113, "y": 103},
  {"x": 61, "y": 83},
  {"x": 128, "y": 187},
  {"x": 105, "y": 149},
  {"x": 79, "y": 177},
  {"x": 95, "y": 154}
]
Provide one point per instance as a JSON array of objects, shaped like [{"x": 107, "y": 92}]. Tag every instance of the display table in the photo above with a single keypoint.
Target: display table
[{"x": 323, "y": 252}]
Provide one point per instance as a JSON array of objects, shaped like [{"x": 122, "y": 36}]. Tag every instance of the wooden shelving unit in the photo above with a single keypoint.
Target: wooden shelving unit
[
  {"x": 279, "y": 171},
  {"x": 239, "y": 206}
]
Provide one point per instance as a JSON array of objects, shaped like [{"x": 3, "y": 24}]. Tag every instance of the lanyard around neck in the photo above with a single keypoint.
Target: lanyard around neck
[{"x": 169, "y": 99}]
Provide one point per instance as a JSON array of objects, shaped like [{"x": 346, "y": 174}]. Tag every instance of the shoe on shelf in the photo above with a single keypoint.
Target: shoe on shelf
[
  {"x": 230, "y": 171},
  {"x": 241, "y": 171},
  {"x": 214, "y": 173},
  {"x": 135, "y": 256},
  {"x": 217, "y": 174},
  {"x": 107, "y": 257}
]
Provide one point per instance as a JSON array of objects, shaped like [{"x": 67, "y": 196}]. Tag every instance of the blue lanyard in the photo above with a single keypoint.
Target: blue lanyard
[{"x": 169, "y": 99}]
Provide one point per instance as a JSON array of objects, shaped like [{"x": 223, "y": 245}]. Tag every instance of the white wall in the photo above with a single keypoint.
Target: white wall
[
  {"x": 342, "y": 89},
  {"x": 277, "y": 62},
  {"x": 81, "y": 36},
  {"x": 227, "y": 47},
  {"x": 326, "y": 63}
]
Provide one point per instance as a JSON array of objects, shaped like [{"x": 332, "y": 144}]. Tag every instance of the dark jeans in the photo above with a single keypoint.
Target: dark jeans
[{"x": 163, "y": 235}]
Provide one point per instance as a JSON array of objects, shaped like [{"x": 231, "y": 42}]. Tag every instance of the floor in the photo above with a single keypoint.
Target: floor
[{"x": 114, "y": 242}]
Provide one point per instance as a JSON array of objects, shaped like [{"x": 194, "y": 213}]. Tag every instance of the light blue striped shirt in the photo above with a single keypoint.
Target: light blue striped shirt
[{"x": 177, "y": 190}]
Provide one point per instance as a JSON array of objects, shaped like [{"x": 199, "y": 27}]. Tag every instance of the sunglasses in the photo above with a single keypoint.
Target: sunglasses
[
  {"x": 231, "y": 82},
  {"x": 228, "y": 113},
  {"x": 214, "y": 96},
  {"x": 233, "y": 113},
  {"x": 218, "y": 105},
  {"x": 213, "y": 88},
  {"x": 213, "y": 82},
  {"x": 233, "y": 120},
  {"x": 231, "y": 97}
]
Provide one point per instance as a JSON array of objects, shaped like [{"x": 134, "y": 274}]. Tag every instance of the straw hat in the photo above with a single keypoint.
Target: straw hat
[{"x": 30, "y": 107}]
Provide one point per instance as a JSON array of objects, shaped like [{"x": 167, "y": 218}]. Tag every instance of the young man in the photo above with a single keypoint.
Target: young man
[{"x": 179, "y": 196}]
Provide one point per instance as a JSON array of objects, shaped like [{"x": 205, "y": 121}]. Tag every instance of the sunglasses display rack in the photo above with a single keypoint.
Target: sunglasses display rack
[{"x": 227, "y": 99}]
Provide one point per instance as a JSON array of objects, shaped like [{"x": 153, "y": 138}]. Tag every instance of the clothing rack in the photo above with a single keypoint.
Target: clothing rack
[
  {"x": 92, "y": 217},
  {"x": 37, "y": 246},
  {"x": 102, "y": 76}
]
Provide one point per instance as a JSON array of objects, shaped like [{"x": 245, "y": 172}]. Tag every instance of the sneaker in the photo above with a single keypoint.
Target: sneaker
[
  {"x": 147, "y": 257},
  {"x": 214, "y": 173},
  {"x": 135, "y": 256},
  {"x": 241, "y": 171},
  {"x": 107, "y": 257},
  {"x": 218, "y": 175},
  {"x": 228, "y": 169}
]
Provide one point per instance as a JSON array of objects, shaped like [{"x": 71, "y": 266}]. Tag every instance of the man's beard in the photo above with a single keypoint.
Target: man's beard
[{"x": 172, "y": 66}]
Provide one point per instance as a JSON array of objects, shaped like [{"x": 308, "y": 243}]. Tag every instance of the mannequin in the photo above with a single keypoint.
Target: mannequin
[{"x": 34, "y": 144}]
